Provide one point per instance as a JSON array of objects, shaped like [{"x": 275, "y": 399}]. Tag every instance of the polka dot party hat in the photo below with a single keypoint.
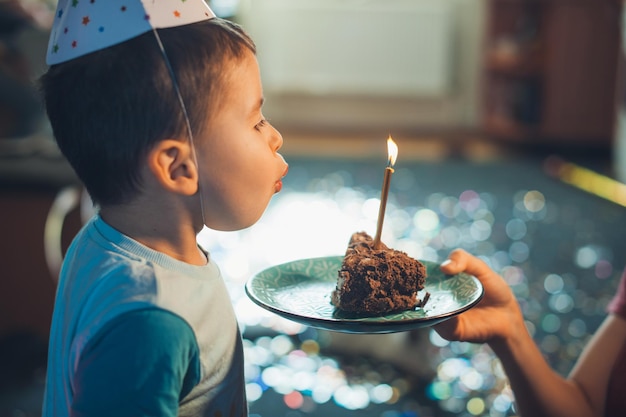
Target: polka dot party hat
[{"x": 84, "y": 26}]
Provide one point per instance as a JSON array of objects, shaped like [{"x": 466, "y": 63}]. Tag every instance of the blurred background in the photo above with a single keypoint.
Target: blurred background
[{"x": 508, "y": 117}]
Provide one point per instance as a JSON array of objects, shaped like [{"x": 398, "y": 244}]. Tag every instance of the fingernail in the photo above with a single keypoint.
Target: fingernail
[{"x": 446, "y": 262}]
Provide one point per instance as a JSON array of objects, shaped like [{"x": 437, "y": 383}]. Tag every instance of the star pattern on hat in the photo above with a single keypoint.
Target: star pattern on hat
[{"x": 84, "y": 26}]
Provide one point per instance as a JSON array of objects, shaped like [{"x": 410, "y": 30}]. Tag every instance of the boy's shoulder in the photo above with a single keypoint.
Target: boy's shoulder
[{"x": 107, "y": 273}]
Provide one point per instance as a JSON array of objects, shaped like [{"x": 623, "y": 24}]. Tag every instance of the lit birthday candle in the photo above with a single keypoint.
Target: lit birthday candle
[{"x": 392, "y": 154}]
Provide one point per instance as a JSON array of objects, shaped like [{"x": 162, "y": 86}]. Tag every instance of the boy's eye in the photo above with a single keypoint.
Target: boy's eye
[{"x": 261, "y": 124}]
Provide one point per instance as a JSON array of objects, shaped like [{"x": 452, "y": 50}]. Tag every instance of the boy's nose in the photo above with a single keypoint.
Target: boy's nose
[{"x": 276, "y": 139}]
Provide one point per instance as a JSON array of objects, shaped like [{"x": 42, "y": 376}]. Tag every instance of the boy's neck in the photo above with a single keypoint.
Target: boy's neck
[{"x": 174, "y": 236}]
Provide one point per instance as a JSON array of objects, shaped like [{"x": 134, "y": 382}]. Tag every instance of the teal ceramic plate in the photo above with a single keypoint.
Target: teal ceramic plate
[{"x": 300, "y": 291}]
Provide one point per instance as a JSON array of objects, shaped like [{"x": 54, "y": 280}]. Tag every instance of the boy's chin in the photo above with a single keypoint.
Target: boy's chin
[{"x": 233, "y": 225}]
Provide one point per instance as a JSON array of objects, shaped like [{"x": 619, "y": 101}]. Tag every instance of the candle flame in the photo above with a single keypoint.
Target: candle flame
[{"x": 392, "y": 151}]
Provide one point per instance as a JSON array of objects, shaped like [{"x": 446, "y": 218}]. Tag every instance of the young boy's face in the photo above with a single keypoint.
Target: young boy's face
[{"x": 239, "y": 165}]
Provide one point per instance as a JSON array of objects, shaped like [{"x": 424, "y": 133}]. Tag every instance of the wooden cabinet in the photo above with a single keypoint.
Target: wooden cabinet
[
  {"x": 29, "y": 199},
  {"x": 26, "y": 285},
  {"x": 550, "y": 71}
]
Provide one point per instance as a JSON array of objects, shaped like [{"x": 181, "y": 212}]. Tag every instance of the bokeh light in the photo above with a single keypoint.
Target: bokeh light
[{"x": 315, "y": 215}]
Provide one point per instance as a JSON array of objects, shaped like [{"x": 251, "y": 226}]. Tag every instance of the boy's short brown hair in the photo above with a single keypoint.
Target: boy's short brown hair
[{"x": 108, "y": 108}]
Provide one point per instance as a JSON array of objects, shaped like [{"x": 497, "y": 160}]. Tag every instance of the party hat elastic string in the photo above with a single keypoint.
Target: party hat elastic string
[{"x": 183, "y": 108}]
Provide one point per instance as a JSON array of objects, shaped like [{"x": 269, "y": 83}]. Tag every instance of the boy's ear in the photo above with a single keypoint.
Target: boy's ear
[{"x": 172, "y": 164}]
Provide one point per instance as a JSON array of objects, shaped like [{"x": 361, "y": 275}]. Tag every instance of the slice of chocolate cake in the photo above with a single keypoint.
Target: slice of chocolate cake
[{"x": 376, "y": 281}]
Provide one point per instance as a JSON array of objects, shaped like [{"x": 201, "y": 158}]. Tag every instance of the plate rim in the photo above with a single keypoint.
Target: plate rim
[{"x": 360, "y": 325}]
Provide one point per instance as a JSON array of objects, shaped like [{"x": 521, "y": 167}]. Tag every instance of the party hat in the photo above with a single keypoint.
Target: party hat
[{"x": 84, "y": 26}]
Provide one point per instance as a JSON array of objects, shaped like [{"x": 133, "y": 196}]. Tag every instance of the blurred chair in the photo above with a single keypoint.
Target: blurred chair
[{"x": 68, "y": 200}]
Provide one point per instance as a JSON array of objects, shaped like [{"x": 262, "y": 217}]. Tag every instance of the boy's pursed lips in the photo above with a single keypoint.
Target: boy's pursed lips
[{"x": 279, "y": 184}]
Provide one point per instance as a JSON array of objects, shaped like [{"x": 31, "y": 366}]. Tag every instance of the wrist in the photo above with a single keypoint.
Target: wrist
[
  {"x": 515, "y": 335},
  {"x": 514, "y": 343}
]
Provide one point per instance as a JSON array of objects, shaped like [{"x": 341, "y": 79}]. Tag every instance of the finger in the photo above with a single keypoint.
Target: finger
[
  {"x": 461, "y": 261},
  {"x": 447, "y": 329},
  {"x": 452, "y": 265}
]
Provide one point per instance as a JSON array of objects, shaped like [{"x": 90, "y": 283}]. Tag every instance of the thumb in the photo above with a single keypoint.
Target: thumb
[{"x": 461, "y": 261}]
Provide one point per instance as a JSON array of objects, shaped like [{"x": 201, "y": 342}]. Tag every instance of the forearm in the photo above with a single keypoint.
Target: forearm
[{"x": 539, "y": 391}]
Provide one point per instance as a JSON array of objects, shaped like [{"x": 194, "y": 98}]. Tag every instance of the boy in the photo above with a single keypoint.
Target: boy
[{"x": 157, "y": 106}]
